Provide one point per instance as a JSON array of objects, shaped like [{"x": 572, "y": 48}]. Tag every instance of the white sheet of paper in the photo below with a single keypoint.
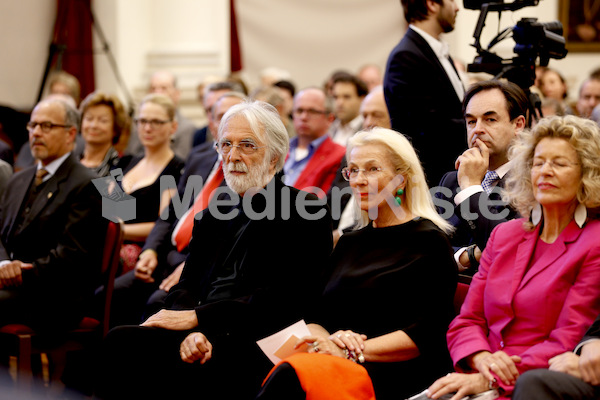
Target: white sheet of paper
[{"x": 271, "y": 344}]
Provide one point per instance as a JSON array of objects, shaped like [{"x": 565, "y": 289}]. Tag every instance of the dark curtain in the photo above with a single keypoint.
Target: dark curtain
[
  {"x": 72, "y": 42},
  {"x": 236, "y": 52}
]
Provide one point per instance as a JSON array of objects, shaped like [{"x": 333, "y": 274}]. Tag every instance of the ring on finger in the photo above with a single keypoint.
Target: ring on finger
[{"x": 492, "y": 365}]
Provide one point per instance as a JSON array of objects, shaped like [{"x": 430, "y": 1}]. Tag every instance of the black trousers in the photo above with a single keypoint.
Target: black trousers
[
  {"x": 544, "y": 384},
  {"x": 142, "y": 362}
]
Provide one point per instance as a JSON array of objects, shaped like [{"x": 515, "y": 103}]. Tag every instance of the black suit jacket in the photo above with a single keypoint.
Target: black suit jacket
[
  {"x": 424, "y": 106},
  {"x": 200, "y": 162},
  {"x": 478, "y": 230},
  {"x": 278, "y": 261},
  {"x": 62, "y": 235}
]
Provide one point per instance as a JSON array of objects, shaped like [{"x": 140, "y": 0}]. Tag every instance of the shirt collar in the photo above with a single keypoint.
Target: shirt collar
[
  {"x": 503, "y": 169},
  {"x": 312, "y": 145},
  {"x": 441, "y": 49},
  {"x": 53, "y": 166}
]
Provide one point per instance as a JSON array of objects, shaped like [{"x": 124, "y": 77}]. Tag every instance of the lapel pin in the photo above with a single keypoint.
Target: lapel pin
[{"x": 49, "y": 194}]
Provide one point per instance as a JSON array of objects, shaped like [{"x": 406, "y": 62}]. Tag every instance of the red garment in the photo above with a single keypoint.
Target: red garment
[
  {"x": 322, "y": 167},
  {"x": 184, "y": 234},
  {"x": 326, "y": 377}
]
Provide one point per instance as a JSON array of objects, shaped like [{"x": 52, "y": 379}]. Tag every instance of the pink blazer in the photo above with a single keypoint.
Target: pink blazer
[{"x": 537, "y": 311}]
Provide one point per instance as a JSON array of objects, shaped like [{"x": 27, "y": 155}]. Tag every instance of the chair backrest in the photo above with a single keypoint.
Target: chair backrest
[
  {"x": 110, "y": 265},
  {"x": 459, "y": 296}
]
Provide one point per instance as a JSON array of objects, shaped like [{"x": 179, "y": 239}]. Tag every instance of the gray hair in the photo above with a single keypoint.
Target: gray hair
[
  {"x": 265, "y": 123},
  {"x": 237, "y": 95},
  {"x": 72, "y": 117}
]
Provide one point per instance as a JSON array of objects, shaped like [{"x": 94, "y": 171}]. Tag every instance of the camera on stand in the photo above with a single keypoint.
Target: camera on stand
[{"x": 533, "y": 40}]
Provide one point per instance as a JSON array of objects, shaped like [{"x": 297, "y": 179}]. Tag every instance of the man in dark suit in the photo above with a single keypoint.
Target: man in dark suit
[
  {"x": 423, "y": 90},
  {"x": 141, "y": 292},
  {"x": 470, "y": 197},
  {"x": 51, "y": 228},
  {"x": 240, "y": 282},
  {"x": 572, "y": 375}
]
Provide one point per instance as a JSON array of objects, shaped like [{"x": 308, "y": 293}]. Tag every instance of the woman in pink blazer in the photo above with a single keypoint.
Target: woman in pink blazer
[{"x": 538, "y": 285}]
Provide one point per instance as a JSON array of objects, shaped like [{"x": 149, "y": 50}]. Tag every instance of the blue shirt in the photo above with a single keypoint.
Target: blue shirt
[{"x": 292, "y": 168}]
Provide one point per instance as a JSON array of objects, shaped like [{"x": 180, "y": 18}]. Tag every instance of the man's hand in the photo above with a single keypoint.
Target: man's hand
[
  {"x": 195, "y": 347},
  {"x": 175, "y": 320},
  {"x": 589, "y": 362},
  {"x": 146, "y": 265},
  {"x": 11, "y": 273},
  {"x": 172, "y": 279},
  {"x": 472, "y": 165},
  {"x": 567, "y": 362}
]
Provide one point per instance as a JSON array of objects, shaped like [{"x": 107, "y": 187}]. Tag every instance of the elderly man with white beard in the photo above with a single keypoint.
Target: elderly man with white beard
[{"x": 242, "y": 280}]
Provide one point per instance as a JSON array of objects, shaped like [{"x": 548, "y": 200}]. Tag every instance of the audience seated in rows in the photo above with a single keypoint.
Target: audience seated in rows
[
  {"x": 536, "y": 291},
  {"x": 399, "y": 252},
  {"x": 239, "y": 283},
  {"x": 470, "y": 198},
  {"x": 141, "y": 292},
  {"x": 165, "y": 82},
  {"x": 156, "y": 124},
  {"x": 212, "y": 92}
]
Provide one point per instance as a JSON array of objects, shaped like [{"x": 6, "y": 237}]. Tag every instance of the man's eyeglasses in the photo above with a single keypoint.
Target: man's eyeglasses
[
  {"x": 154, "y": 123},
  {"x": 45, "y": 126},
  {"x": 311, "y": 112},
  {"x": 245, "y": 146},
  {"x": 352, "y": 173}
]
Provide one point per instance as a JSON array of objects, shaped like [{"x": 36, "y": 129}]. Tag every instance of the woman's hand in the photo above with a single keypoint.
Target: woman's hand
[
  {"x": 349, "y": 340},
  {"x": 500, "y": 363},
  {"x": 462, "y": 384},
  {"x": 320, "y": 344},
  {"x": 195, "y": 347}
]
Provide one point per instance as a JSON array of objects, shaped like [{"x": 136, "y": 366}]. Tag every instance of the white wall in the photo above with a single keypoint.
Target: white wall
[{"x": 26, "y": 38}]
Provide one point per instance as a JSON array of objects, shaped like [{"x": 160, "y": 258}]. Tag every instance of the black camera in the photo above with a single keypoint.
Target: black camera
[{"x": 533, "y": 40}]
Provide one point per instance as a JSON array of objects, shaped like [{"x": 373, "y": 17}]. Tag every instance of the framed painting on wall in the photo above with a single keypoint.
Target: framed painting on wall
[{"x": 581, "y": 24}]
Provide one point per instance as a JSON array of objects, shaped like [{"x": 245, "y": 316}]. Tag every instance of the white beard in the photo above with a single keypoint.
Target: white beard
[{"x": 257, "y": 176}]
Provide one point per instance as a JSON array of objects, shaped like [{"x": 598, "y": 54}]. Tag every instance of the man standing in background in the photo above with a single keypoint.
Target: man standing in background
[{"x": 423, "y": 90}]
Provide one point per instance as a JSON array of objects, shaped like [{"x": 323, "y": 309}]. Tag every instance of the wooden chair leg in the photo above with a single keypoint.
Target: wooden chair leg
[{"x": 24, "y": 373}]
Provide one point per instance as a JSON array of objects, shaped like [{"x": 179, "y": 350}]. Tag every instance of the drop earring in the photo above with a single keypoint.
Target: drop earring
[
  {"x": 399, "y": 193},
  {"x": 536, "y": 214}
]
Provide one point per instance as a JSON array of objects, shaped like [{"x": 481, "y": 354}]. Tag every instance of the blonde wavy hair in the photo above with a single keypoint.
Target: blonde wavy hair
[
  {"x": 402, "y": 155},
  {"x": 582, "y": 134}
]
